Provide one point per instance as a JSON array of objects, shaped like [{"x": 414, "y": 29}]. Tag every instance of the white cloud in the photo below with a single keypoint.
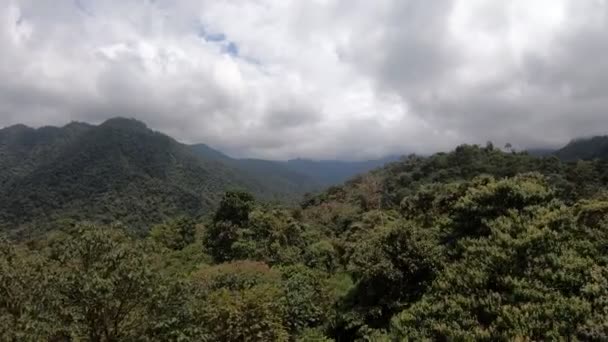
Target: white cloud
[{"x": 321, "y": 79}]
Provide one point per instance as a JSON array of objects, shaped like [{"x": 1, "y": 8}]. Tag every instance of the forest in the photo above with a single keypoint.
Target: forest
[
  {"x": 475, "y": 244},
  {"x": 123, "y": 171}
]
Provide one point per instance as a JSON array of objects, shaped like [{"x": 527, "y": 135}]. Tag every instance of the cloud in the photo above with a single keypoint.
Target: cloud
[{"x": 321, "y": 79}]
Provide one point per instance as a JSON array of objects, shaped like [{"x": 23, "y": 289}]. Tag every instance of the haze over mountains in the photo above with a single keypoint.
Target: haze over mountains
[
  {"x": 117, "y": 215},
  {"x": 123, "y": 171}
]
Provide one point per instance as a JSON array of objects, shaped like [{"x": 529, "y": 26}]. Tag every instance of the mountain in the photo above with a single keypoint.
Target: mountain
[
  {"x": 121, "y": 171},
  {"x": 301, "y": 175},
  {"x": 23, "y": 149},
  {"x": 273, "y": 175},
  {"x": 117, "y": 171},
  {"x": 541, "y": 152},
  {"x": 474, "y": 244},
  {"x": 331, "y": 172},
  {"x": 585, "y": 149},
  {"x": 438, "y": 246}
]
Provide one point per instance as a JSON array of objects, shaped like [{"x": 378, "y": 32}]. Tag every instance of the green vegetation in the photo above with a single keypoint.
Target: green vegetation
[
  {"x": 476, "y": 244},
  {"x": 591, "y": 148},
  {"x": 119, "y": 171}
]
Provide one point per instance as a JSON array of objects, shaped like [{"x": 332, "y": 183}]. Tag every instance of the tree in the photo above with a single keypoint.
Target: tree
[
  {"x": 108, "y": 289},
  {"x": 176, "y": 234},
  {"x": 240, "y": 301},
  {"x": 27, "y": 295},
  {"x": 231, "y": 216},
  {"x": 392, "y": 267},
  {"x": 535, "y": 273}
]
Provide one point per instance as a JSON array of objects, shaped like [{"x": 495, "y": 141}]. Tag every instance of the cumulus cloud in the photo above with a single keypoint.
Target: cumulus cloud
[{"x": 320, "y": 79}]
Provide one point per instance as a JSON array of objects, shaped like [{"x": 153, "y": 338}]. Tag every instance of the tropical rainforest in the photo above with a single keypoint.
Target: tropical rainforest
[{"x": 128, "y": 236}]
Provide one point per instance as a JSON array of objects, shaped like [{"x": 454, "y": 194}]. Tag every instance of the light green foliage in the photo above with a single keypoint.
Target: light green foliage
[
  {"x": 251, "y": 314},
  {"x": 476, "y": 244},
  {"x": 307, "y": 296},
  {"x": 108, "y": 288},
  {"x": 523, "y": 276},
  {"x": 27, "y": 295},
  {"x": 240, "y": 301},
  {"x": 96, "y": 286},
  {"x": 242, "y": 230},
  {"x": 175, "y": 235}
]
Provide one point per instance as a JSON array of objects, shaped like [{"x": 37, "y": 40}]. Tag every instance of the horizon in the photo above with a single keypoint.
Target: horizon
[
  {"x": 327, "y": 79},
  {"x": 391, "y": 156}
]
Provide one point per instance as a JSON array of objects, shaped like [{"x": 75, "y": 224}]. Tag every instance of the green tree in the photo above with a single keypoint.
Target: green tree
[
  {"x": 109, "y": 290},
  {"x": 534, "y": 270},
  {"x": 392, "y": 267},
  {"x": 176, "y": 234},
  {"x": 27, "y": 295},
  {"x": 240, "y": 301},
  {"x": 231, "y": 216}
]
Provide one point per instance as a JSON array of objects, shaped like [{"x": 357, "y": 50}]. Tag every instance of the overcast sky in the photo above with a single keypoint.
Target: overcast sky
[{"x": 317, "y": 78}]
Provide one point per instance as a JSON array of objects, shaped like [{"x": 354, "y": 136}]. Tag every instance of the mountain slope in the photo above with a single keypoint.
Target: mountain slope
[
  {"x": 438, "y": 246},
  {"x": 273, "y": 175},
  {"x": 585, "y": 149},
  {"x": 331, "y": 172},
  {"x": 299, "y": 175},
  {"x": 22, "y": 148},
  {"x": 117, "y": 171}
]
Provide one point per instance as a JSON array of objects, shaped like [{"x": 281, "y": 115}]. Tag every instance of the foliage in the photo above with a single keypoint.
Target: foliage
[
  {"x": 476, "y": 244},
  {"x": 117, "y": 171},
  {"x": 175, "y": 235}
]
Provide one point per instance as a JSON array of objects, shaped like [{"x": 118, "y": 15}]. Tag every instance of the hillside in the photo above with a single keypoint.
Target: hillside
[
  {"x": 300, "y": 175},
  {"x": 332, "y": 172},
  {"x": 117, "y": 171},
  {"x": 475, "y": 244},
  {"x": 586, "y": 149},
  {"x": 23, "y": 149},
  {"x": 273, "y": 175}
]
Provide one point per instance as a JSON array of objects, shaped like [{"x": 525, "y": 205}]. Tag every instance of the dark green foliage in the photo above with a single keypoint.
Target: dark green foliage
[
  {"x": 586, "y": 149},
  {"x": 331, "y": 172},
  {"x": 97, "y": 285},
  {"x": 27, "y": 295},
  {"x": 117, "y": 171},
  {"x": 240, "y": 230},
  {"x": 275, "y": 176},
  {"x": 476, "y": 244},
  {"x": 240, "y": 302},
  {"x": 234, "y": 208},
  {"x": 307, "y": 296},
  {"x": 176, "y": 234},
  {"x": 392, "y": 266},
  {"x": 230, "y": 218}
]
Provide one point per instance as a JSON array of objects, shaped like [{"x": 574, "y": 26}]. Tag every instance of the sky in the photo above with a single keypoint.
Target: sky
[{"x": 323, "y": 79}]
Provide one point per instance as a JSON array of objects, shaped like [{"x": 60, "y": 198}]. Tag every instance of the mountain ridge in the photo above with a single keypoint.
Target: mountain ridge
[
  {"x": 595, "y": 147},
  {"x": 117, "y": 171},
  {"x": 123, "y": 171}
]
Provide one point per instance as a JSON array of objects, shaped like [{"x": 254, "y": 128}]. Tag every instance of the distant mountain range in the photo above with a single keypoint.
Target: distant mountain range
[
  {"x": 123, "y": 171},
  {"x": 311, "y": 173},
  {"x": 585, "y": 148}
]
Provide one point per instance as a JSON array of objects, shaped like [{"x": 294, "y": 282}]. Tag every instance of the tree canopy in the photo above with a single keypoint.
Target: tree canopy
[{"x": 475, "y": 244}]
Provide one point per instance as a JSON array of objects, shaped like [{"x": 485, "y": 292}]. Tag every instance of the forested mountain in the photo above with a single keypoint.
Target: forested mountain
[
  {"x": 332, "y": 172},
  {"x": 121, "y": 171},
  {"x": 274, "y": 175},
  {"x": 304, "y": 174},
  {"x": 475, "y": 244},
  {"x": 585, "y": 148},
  {"x": 23, "y": 149},
  {"x": 117, "y": 171}
]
